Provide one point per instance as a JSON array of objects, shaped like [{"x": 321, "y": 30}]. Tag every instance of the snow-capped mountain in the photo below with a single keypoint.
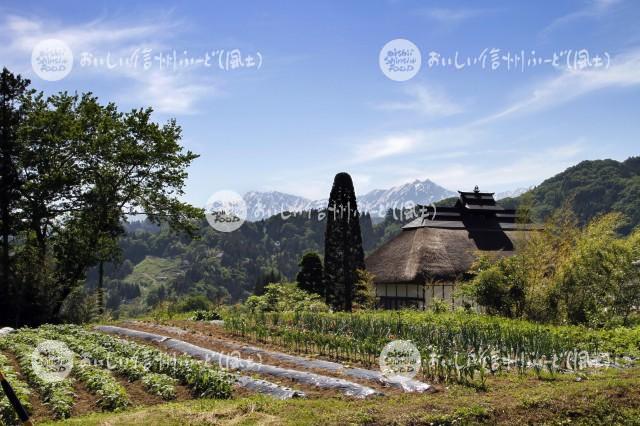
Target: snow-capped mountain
[
  {"x": 510, "y": 194},
  {"x": 378, "y": 201},
  {"x": 261, "y": 205}
]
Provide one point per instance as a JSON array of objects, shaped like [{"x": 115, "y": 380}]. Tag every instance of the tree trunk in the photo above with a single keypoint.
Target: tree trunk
[{"x": 100, "y": 292}]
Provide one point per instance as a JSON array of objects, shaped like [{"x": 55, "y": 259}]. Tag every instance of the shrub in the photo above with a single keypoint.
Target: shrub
[
  {"x": 203, "y": 315},
  {"x": 286, "y": 297},
  {"x": 193, "y": 303}
]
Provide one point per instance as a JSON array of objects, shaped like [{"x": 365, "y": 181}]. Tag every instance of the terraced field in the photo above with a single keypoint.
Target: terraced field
[{"x": 133, "y": 370}]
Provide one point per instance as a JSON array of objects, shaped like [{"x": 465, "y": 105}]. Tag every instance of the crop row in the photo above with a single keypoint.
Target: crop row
[
  {"x": 58, "y": 395},
  {"x": 112, "y": 396},
  {"x": 126, "y": 366},
  {"x": 205, "y": 380},
  {"x": 456, "y": 347},
  {"x": 21, "y": 389}
]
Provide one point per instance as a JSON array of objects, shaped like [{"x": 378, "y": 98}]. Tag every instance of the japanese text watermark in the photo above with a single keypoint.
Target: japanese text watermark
[
  {"x": 401, "y": 60},
  {"x": 52, "y": 361},
  {"x": 53, "y": 59}
]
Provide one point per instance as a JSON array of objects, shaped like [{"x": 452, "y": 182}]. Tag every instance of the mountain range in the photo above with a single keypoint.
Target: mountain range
[
  {"x": 261, "y": 205},
  {"x": 231, "y": 263},
  {"x": 510, "y": 194}
]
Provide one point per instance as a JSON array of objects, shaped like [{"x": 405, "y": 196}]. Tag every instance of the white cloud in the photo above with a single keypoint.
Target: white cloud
[
  {"x": 27, "y": 32},
  {"x": 523, "y": 170},
  {"x": 624, "y": 71},
  {"x": 569, "y": 150},
  {"x": 435, "y": 143},
  {"x": 166, "y": 91},
  {"x": 391, "y": 145},
  {"x": 424, "y": 101},
  {"x": 430, "y": 144}
]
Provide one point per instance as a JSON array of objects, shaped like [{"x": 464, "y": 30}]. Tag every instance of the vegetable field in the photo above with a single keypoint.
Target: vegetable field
[
  {"x": 454, "y": 347},
  {"x": 102, "y": 365},
  {"x": 464, "y": 358}
]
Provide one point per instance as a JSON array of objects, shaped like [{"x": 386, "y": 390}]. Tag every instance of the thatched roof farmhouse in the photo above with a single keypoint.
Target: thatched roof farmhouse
[{"x": 433, "y": 252}]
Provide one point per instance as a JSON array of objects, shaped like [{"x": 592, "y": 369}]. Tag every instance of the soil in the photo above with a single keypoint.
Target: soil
[
  {"x": 137, "y": 394},
  {"x": 84, "y": 401},
  {"x": 39, "y": 411}
]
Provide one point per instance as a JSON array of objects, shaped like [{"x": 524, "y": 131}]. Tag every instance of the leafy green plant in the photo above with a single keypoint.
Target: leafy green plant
[
  {"x": 286, "y": 297},
  {"x": 7, "y": 413},
  {"x": 455, "y": 346},
  {"x": 205, "y": 315},
  {"x": 59, "y": 396},
  {"x": 204, "y": 380},
  {"x": 125, "y": 366},
  {"x": 112, "y": 396},
  {"x": 160, "y": 384}
]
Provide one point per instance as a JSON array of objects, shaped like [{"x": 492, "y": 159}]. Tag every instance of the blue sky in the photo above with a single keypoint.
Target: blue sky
[{"x": 319, "y": 103}]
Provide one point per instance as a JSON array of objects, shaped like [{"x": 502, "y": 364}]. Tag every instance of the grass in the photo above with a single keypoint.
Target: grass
[{"x": 611, "y": 397}]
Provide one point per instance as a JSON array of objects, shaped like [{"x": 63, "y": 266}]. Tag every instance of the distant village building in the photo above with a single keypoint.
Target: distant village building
[{"x": 434, "y": 252}]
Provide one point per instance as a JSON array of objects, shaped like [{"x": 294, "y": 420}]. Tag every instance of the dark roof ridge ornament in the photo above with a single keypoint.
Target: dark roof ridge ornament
[{"x": 476, "y": 189}]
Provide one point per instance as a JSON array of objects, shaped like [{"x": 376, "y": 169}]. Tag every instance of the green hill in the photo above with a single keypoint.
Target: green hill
[{"x": 590, "y": 188}]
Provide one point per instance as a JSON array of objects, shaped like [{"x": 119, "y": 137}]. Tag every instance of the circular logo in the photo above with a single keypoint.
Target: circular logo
[
  {"x": 226, "y": 211},
  {"x": 52, "y": 59},
  {"x": 400, "y": 60},
  {"x": 52, "y": 361},
  {"x": 400, "y": 359}
]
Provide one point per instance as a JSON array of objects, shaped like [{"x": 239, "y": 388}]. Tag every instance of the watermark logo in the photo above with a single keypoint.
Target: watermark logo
[
  {"x": 52, "y": 361},
  {"x": 52, "y": 59},
  {"x": 400, "y": 60},
  {"x": 145, "y": 59},
  {"x": 226, "y": 211},
  {"x": 400, "y": 359}
]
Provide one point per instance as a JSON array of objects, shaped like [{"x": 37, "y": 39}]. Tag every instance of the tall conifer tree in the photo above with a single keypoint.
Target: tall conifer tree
[
  {"x": 343, "y": 251},
  {"x": 310, "y": 277}
]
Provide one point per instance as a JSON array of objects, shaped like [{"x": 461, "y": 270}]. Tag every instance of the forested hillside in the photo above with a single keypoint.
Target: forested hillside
[
  {"x": 158, "y": 264},
  {"x": 589, "y": 188}
]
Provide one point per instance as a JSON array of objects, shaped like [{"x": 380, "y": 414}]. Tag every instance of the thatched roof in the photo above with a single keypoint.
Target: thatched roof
[
  {"x": 422, "y": 254},
  {"x": 442, "y": 248}
]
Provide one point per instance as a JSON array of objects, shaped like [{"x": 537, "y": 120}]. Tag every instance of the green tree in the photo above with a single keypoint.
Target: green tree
[
  {"x": 599, "y": 278},
  {"x": 270, "y": 276},
  {"x": 12, "y": 90},
  {"x": 310, "y": 276},
  {"x": 77, "y": 170},
  {"x": 365, "y": 293},
  {"x": 343, "y": 251},
  {"x": 134, "y": 166}
]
